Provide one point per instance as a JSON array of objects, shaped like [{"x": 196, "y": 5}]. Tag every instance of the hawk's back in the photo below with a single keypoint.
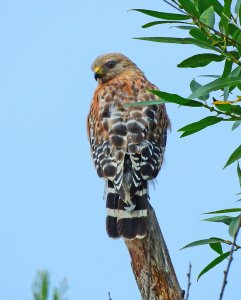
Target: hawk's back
[{"x": 127, "y": 146}]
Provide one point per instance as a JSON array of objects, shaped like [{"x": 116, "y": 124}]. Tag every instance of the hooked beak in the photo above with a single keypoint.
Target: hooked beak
[{"x": 97, "y": 75}]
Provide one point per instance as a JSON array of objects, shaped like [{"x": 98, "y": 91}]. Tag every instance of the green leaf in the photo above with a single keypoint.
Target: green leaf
[
  {"x": 204, "y": 4},
  {"x": 194, "y": 85},
  {"x": 161, "y": 22},
  {"x": 208, "y": 17},
  {"x": 215, "y": 85},
  {"x": 234, "y": 31},
  {"x": 239, "y": 14},
  {"x": 227, "y": 90},
  {"x": 197, "y": 126},
  {"x": 229, "y": 108},
  {"x": 212, "y": 76},
  {"x": 237, "y": 6},
  {"x": 56, "y": 295},
  {"x": 199, "y": 35},
  {"x": 186, "y": 133},
  {"x": 163, "y": 15},
  {"x": 234, "y": 157},
  {"x": 239, "y": 173},
  {"x": 235, "y": 72},
  {"x": 236, "y": 125},
  {"x": 200, "y": 60},
  {"x": 238, "y": 39},
  {"x": 195, "y": 2},
  {"x": 41, "y": 286},
  {"x": 213, "y": 263},
  {"x": 228, "y": 210},
  {"x": 173, "y": 98},
  {"x": 226, "y": 15},
  {"x": 184, "y": 27},
  {"x": 227, "y": 68},
  {"x": 217, "y": 247},
  {"x": 220, "y": 219},
  {"x": 189, "y": 7},
  {"x": 203, "y": 242},
  {"x": 234, "y": 226},
  {"x": 184, "y": 41}
]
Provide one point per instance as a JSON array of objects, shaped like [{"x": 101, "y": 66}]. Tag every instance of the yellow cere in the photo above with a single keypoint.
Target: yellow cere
[{"x": 97, "y": 70}]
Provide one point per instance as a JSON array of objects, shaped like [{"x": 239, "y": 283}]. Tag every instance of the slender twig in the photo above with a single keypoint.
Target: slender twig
[
  {"x": 212, "y": 109},
  {"x": 216, "y": 31},
  {"x": 225, "y": 38},
  {"x": 177, "y": 8},
  {"x": 237, "y": 247},
  {"x": 188, "y": 281},
  {"x": 175, "y": 2},
  {"x": 109, "y": 296},
  {"x": 228, "y": 265}
]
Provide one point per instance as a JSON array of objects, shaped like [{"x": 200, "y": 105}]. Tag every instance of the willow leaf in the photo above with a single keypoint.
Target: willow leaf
[
  {"x": 215, "y": 85},
  {"x": 163, "y": 15},
  {"x": 213, "y": 263},
  {"x": 236, "y": 155}
]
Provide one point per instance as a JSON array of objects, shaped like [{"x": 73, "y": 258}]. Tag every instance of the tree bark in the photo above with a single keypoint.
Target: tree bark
[{"x": 152, "y": 266}]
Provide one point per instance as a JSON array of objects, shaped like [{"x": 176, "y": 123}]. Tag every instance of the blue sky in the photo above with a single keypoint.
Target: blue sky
[{"x": 52, "y": 213}]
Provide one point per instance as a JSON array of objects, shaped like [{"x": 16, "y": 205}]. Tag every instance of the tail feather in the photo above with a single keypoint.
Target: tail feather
[
  {"x": 127, "y": 220},
  {"x": 112, "y": 211}
]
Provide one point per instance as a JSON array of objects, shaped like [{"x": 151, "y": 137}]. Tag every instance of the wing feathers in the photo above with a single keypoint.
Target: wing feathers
[{"x": 127, "y": 148}]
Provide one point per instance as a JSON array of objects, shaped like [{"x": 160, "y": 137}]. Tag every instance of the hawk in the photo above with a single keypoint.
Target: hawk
[{"x": 127, "y": 142}]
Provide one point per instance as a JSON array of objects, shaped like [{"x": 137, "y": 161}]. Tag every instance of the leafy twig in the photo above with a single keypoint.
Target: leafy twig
[
  {"x": 109, "y": 296},
  {"x": 216, "y": 31},
  {"x": 236, "y": 247},
  {"x": 200, "y": 24},
  {"x": 219, "y": 112},
  {"x": 229, "y": 265},
  {"x": 189, "y": 281}
]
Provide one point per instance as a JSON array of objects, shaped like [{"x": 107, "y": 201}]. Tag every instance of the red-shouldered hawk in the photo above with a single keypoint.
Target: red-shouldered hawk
[{"x": 127, "y": 144}]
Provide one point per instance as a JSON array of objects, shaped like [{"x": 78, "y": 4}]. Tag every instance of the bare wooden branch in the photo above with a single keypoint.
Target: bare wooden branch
[
  {"x": 152, "y": 266},
  {"x": 188, "y": 281}
]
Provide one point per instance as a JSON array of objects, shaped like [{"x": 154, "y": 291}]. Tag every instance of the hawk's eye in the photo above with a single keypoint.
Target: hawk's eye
[{"x": 111, "y": 64}]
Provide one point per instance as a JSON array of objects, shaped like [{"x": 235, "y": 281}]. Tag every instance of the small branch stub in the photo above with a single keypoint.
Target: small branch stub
[{"x": 152, "y": 266}]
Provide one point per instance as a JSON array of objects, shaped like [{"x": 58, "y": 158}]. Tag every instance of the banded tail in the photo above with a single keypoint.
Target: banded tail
[{"x": 127, "y": 220}]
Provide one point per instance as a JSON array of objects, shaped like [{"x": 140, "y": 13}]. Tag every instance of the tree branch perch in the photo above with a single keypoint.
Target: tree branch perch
[{"x": 152, "y": 266}]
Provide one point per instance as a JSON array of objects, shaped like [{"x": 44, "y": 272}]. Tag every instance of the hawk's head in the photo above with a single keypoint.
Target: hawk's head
[{"x": 108, "y": 66}]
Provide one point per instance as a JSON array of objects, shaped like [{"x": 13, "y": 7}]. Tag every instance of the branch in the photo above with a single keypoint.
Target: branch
[
  {"x": 177, "y": 8},
  {"x": 188, "y": 281},
  {"x": 229, "y": 265},
  {"x": 152, "y": 266},
  {"x": 219, "y": 112},
  {"x": 237, "y": 247}
]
